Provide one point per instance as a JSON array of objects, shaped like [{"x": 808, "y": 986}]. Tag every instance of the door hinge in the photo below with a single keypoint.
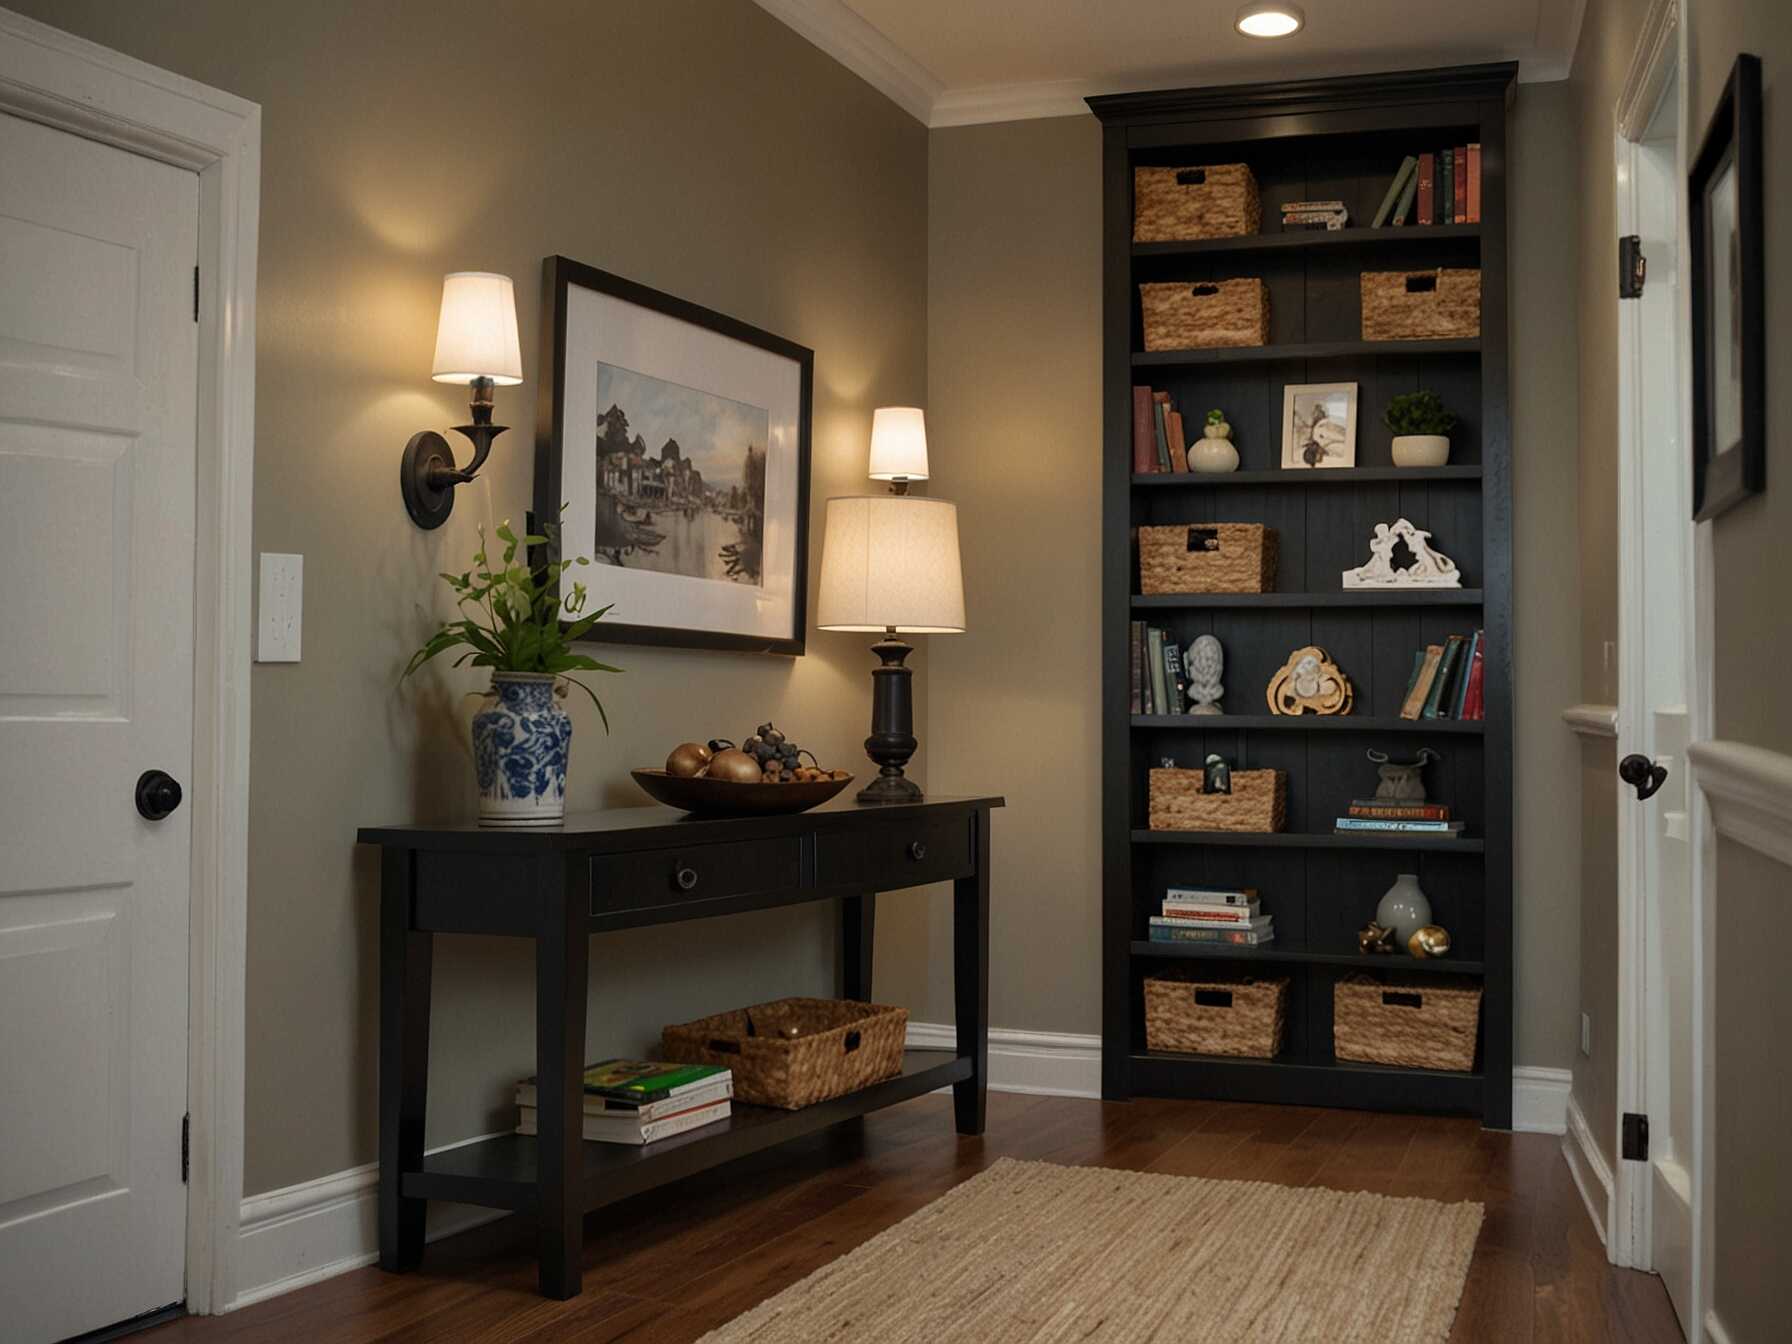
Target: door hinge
[
  {"x": 1635, "y": 1137},
  {"x": 1633, "y": 267},
  {"x": 186, "y": 1145},
  {"x": 195, "y": 293}
]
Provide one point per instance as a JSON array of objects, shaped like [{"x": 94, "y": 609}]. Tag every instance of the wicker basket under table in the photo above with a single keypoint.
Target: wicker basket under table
[
  {"x": 1414, "y": 1022},
  {"x": 1174, "y": 205},
  {"x": 1258, "y": 801},
  {"x": 1437, "y": 305},
  {"x": 1204, "y": 314},
  {"x": 1204, "y": 1013},
  {"x": 1207, "y": 558},
  {"x": 840, "y": 1047}
]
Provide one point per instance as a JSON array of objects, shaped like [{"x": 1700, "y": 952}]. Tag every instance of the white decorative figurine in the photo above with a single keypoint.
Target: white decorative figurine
[
  {"x": 1206, "y": 664},
  {"x": 1429, "y": 568}
]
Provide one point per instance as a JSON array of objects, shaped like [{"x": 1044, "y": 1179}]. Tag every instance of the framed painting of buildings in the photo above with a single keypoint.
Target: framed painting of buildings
[{"x": 675, "y": 450}]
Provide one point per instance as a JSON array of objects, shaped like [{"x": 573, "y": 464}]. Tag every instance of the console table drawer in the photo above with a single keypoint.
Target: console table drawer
[
  {"x": 896, "y": 856},
  {"x": 694, "y": 873}
]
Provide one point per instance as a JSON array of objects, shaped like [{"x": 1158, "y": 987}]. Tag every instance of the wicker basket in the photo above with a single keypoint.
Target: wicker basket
[
  {"x": 1258, "y": 801},
  {"x": 1207, "y": 558},
  {"x": 1216, "y": 1014},
  {"x": 1421, "y": 305},
  {"x": 1417, "y": 1023},
  {"x": 1172, "y": 205},
  {"x": 840, "y": 1047},
  {"x": 1204, "y": 314}
]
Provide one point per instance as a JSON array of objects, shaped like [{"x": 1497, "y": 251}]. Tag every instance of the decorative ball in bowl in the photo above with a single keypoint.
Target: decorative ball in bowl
[{"x": 765, "y": 774}]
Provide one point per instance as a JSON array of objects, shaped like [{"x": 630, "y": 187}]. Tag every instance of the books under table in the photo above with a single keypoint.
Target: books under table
[
  {"x": 638, "y": 1101},
  {"x": 609, "y": 1127}
]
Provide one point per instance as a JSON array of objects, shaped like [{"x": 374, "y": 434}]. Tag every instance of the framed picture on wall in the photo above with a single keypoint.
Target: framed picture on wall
[
  {"x": 1318, "y": 425},
  {"x": 1729, "y": 393},
  {"x": 675, "y": 449}
]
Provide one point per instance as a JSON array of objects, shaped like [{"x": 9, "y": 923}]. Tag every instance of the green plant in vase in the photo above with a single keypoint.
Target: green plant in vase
[
  {"x": 1421, "y": 425},
  {"x": 514, "y": 620}
]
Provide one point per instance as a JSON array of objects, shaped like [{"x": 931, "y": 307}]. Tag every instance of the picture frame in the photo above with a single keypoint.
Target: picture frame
[
  {"x": 677, "y": 440},
  {"x": 1729, "y": 314},
  {"x": 1318, "y": 426}
]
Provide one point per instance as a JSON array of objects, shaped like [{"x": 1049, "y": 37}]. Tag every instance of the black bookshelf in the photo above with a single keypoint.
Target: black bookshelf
[{"x": 1337, "y": 138}]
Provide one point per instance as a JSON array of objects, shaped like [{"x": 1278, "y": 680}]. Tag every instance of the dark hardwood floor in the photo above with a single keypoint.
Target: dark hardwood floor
[{"x": 673, "y": 1264}]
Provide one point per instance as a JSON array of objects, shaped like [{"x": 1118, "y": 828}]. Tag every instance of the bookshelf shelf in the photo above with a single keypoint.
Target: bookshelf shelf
[{"x": 1346, "y": 142}]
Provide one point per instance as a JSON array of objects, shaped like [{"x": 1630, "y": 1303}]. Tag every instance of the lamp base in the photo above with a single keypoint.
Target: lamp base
[{"x": 892, "y": 739}]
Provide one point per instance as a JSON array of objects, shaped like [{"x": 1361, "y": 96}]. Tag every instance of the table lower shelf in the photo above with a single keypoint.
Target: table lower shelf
[{"x": 500, "y": 1172}]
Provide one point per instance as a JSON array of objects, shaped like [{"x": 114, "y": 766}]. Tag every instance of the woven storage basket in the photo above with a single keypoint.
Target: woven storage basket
[
  {"x": 1417, "y": 1023},
  {"x": 1421, "y": 305},
  {"x": 1216, "y": 1014},
  {"x": 1204, "y": 314},
  {"x": 1258, "y": 801},
  {"x": 1207, "y": 558},
  {"x": 840, "y": 1047},
  {"x": 1172, "y": 205}
]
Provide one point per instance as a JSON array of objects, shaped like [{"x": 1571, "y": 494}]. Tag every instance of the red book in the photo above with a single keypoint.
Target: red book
[
  {"x": 1144, "y": 431},
  {"x": 1459, "y": 184},
  {"x": 1474, "y": 704},
  {"x": 1427, "y": 188},
  {"x": 1474, "y": 184},
  {"x": 1178, "y": 446}
]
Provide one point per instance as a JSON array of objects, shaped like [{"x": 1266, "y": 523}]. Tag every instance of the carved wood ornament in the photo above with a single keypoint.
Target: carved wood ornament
[{"x": 1310, "y": 683}]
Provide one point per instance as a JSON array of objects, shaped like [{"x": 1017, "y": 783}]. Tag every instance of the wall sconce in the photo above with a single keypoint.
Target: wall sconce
[{"x": 476, "y": 344}]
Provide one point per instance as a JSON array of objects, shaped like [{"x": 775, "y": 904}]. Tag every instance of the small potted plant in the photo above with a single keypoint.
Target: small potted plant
[
  {"x": 510, "y": 621},
  {"x": 1213, "y": 451},
  {"x": 1421, "y": 428}
]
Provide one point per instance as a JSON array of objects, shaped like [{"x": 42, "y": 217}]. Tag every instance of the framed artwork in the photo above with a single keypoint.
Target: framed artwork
[
  {"x": 677, "y": 440},
  {"x": 1729, "y": 392},
  {"x": 1318, "y": 425}
]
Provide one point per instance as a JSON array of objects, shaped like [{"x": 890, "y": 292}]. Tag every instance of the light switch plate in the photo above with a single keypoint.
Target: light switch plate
[{"x": 280, "y": 608}]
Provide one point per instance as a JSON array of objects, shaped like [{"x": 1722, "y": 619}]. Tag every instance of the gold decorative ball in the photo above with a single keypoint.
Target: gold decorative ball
[
  {"x": 735, "y": 766},
  {"x": 1430, "y": 941},
  {"x": 687, "y": 760}
]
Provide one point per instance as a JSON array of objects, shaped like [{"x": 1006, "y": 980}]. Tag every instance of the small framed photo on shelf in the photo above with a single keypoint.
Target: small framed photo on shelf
[
  {"x": 1729, "y": 393},
  {"x": 1318, "y": 425}
]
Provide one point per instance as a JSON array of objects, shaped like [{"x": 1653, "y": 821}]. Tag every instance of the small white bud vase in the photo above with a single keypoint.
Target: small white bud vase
[
  {"x": 521, "y": 740},
  {"x": 1404, "y": 909},
  {"x": 1213, "y": 451},
  {"x": 1421, "y": 450}
]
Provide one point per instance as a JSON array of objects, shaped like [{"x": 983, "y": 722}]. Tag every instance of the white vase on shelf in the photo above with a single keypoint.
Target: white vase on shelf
[
  {"x": 1405, "y": 909},
  {"x": 1213, "y": 451}
]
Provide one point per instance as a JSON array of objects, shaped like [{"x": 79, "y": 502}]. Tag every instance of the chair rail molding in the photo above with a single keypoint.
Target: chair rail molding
[
  {"x": 1750, "y": 791},
  {"x": 1592, "y": 720}
]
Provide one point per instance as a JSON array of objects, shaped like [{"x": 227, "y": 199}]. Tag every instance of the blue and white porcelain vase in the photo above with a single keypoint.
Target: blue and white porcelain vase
[{"x": 521, "y": 739}]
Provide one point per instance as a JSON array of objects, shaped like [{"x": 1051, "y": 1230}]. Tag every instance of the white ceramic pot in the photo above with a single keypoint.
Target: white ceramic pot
[
  {"x": 1213, "y": 451},
  {"x": 1421, "y": 450}
]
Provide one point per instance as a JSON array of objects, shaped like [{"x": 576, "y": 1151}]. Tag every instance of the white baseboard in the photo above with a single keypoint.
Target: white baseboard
[
  {"x": 1045, "y": 1063},
  {"x": 316, "y": 1230},
  {"x": 1592, "y": 1175},
  {"x": 1714, "y": 1330},
  {"x": 1540, "y": 1099}
]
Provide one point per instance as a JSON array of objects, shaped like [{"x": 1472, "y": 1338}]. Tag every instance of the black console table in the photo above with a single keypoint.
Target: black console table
[{"x": 615, "y": 870}]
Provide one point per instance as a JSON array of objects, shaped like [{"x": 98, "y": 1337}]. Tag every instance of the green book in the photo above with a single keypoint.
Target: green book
[
  {"x": 1418, "y": 666},
  {"x": 642, "y": 1081},
  {"x": 1163, "y": 437},
  {"x": 1159, "y": 695},
  {"x": 1410, "y": 190},
  {"x": 1446, "y": 672},
  {"x": 1409, "y": 168},
  {"x": 1446, "y": 207}
]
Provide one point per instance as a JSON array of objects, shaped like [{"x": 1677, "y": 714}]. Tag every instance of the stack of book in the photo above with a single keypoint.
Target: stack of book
[
  {"x": 636, "y": 1101},
  {"x": 1207, "y": 915},
  {"x": 1394, "y": 816},
  {"x": 1159, "y": 684},
  {"x": 1439, "y": 188},
  {"x": 1448, "y": 680},
  {"x": 1159, "y": 441},
  {"x": 1331, "y": 215}
]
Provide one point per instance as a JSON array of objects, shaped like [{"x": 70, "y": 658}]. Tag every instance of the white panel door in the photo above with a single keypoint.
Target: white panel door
[{"x": 98, "y": 375}]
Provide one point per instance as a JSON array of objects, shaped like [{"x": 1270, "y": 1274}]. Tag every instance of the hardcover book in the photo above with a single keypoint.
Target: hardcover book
[
  {"x": 1446, "y": 673},
  {"x": 1173, "y": 677},
  {"x": 1446, "y": 169},
  {"x": 1421, "y": 686},
  {"x": 1212, "y": 914},
  {"x": 1348, "y": 824},
  {"x": 1408, "y": 166},
  {"x": 1459, "y": 183},
  {"x": 1236, "y": 937},
  {"x": 1144, "y": 444},
  {"x": 1389, "y": 809},
  {"x": 641, "y": 1081},
  {"x": 1427, "y": 202},
  {"x": 1460, "y": 692},
  {"x": 1178, "y": 445},
  {"x": 603, "y": 1129},
  {"x": 1154, "y": 661},
  {"x": 1475, "y": 707},
  {"x": 720, "y": 1089},
  {"x": 1256, "y": 924},
  {"x": 1474, "y": 184},
  {"x": 1138, "y": 667},
  {"x": 1210, "y": 895},
  {"x": 1161, "y": 430}
]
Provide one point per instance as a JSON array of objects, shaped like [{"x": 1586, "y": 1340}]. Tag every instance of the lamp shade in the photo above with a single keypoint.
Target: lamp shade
[
  {"x": 891, "y": 562},
  {"x": 898, "y": 444},
  {"x": 476, "y": 334}
]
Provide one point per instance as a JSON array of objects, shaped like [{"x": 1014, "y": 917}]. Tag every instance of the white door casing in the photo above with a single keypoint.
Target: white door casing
[{"x": 98, "y": 368}]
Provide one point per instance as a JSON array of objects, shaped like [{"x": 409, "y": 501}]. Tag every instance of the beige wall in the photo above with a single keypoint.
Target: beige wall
[
  {"x": 702, "y": 148},
  {"x": 1014, "y": 379}
]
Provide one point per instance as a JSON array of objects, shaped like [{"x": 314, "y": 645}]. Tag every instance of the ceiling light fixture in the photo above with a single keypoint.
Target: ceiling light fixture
[{"x": 1270, "y": 18}]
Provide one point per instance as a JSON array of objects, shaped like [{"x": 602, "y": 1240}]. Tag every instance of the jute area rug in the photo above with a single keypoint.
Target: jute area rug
[{"x": 1029, "y": 1251}]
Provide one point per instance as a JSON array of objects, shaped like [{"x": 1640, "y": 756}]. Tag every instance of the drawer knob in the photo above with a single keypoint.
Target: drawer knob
[
  {"x": 685, "y": 879},
  {"x": 917, "y": 850}
]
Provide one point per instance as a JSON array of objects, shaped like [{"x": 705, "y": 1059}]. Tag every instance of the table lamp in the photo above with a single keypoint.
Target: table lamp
[{"x": 889, "y": 563}]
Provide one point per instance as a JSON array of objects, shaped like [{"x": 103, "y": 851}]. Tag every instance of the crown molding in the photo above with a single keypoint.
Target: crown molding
[
  {"x": 1652, "y": 64},
  {"x": 862, "y": 49}
]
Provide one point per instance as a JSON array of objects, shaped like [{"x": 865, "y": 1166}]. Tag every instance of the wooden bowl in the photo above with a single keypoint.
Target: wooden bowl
[{"x": 723, "y": 797}]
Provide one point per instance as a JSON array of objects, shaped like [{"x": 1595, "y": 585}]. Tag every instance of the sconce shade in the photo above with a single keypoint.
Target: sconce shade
[
  {"x": 891, "y": 562},
  {"x": 476, "y": 335},
  {"x": 898, "y": 444}
]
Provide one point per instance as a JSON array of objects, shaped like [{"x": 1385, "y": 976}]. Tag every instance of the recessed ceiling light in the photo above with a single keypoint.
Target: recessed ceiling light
[{"x": 1270, "y": 18}]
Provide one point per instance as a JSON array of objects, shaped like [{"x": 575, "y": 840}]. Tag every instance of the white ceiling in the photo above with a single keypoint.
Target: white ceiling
[{"x": 954, "y": 62}]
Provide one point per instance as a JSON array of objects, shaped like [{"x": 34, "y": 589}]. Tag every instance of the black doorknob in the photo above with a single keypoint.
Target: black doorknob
[
  {"x": 1643, "y": 775},
  {"x": 158, "y": 794}
]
